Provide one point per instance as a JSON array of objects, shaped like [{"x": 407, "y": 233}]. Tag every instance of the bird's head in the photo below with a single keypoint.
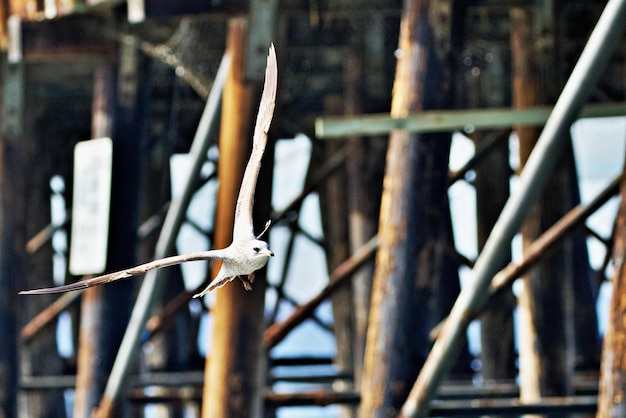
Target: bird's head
[
  {"x": 257, "y": 254},
  {"x": 258, "y": 248}
]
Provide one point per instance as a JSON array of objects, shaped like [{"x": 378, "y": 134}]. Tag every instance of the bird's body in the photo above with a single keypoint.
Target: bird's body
[
  {"x": 247, "y": 253},
  {"x": 233, "y": 265}
]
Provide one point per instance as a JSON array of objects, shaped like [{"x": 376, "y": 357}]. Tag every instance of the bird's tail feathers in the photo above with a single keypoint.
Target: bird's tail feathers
[{"x": 217, "y": 282}]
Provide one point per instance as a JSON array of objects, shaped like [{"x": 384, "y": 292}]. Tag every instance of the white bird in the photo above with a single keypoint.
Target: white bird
[{"x": 247, "y": 253}]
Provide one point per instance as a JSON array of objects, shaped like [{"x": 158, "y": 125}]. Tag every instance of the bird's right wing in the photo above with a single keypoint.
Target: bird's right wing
[
  {"x": 243, "y": 211},
  {"x": 133, "y": 271}
]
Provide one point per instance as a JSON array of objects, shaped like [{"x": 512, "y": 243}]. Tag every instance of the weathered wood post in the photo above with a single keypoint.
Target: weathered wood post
[
  {"x": 413, "y": 214},
  {"x": 106, "y": 309},
  {"x": 25, "y": 205},
  {"x": 89, "y": 373},
  {"x": 11, "y": 135},
  {"x": 612, "y": 396},
  {"x": 496, "y": 322},
  {"x": 365, "y": 169},
  {"x": 488, "y": 88},
  {"x": 546, "y": 304}
]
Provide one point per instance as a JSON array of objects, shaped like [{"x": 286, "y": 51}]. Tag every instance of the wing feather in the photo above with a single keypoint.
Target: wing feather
[
  {"x": 133, "y": 271},
  {"x": 243, "y": 211}
]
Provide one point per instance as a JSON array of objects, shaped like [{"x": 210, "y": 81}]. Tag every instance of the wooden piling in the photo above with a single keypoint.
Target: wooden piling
[
  {"x": 487, "y": 89},
  {"x": 365, "y": 169},
  {"x": 525, "y": 91},
  {"x": 26, "y": 205},
  {"x": 334, "y": 215},
  {"x": 11, "y": 135},
  {"x": 106, "y": 309},
  {"x": 234, "y": 377},
  {"x": 89, "y": 374},
  {"x": 497, "y": 330},
  {"x": 412, "y": 217},
  {"x": 612, "y": 396},
  {"x": 546, "y": 303}
]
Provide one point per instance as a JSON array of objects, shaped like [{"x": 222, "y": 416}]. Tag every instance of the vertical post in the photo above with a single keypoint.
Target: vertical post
[
  {"x": 413, "y": 217},
  {"x": 88, "y": 381},
  {"x": 395, "y": 268},
  {"x": 365, "y": 169},
  {"x": 90, "y": 342},
  {"x": 165, "y": 245},
  {"x": 234, "y": 378},
  {"x": 105, "y": 310},
  {"x": 496, "y": 322},
  {"x": 546, "y": 320},
  {"x": 12, "y": 112},
  {"x": 334, "y": 214},
  {"x": 25, "y": 203},
  {"x": 525, "y": 90},
  {"x": 488, "y": 88},
  {"x": 612, "y": 396}
]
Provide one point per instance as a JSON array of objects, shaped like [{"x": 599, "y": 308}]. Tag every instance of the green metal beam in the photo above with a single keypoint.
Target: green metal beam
[{"x": 450, "y": 120}]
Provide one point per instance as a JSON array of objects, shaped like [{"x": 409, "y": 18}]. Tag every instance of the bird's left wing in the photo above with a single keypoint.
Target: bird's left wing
[
  {"x": 243, "y": 211},
  {"x": 133, "y": 271}
]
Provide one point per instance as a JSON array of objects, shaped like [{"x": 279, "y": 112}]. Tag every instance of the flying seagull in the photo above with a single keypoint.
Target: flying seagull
[{"x": 247, "y": 253}]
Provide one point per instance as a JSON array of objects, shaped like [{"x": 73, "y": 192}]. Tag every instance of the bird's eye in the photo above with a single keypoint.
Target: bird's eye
[{"x": 256, "y": 249}]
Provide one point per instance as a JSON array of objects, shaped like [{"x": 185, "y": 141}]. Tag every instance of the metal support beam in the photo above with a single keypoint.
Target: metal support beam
[
  {"x": 590, "y": 66},
  {"x": 331, "y": 127},
  {"x": 165, "y": 244}
]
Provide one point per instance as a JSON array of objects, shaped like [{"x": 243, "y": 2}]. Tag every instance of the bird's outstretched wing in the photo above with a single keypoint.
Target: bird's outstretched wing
[
  {"x": 133, "y": 271},
  {"x": 243, "y": 211}
]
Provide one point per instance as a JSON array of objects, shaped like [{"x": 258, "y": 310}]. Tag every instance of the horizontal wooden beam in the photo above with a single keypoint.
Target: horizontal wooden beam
[
  {"x": 76, "y": 38},
  {"x": 495, "y": 406},
  {"x": 456, "y": 398},
  {"x": 450, "y": 120}
]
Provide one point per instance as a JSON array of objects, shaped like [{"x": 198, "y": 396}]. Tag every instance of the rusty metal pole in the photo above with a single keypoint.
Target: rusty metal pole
[
  {"x": 234, "y": 378},
  {"x": 590, "y": 66}
]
